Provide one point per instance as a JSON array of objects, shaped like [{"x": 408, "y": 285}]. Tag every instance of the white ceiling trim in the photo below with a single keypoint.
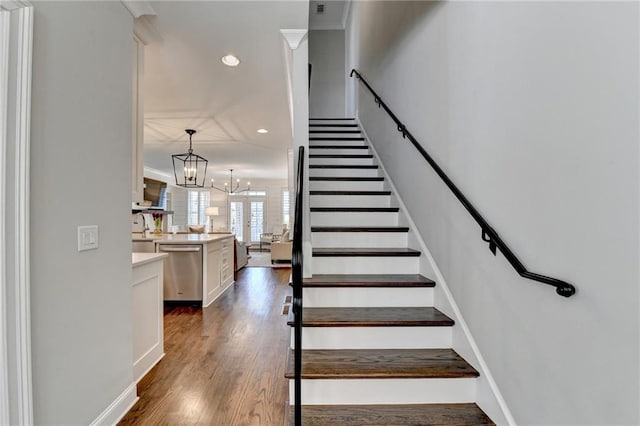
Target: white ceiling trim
[
  {"x": 345, "y": 15},
  {"x": 294, "y": 37},
  {"x": 13, "y": 4},
  {"x": 146, "y": 32},
  {"x": 138, "y": 8}
]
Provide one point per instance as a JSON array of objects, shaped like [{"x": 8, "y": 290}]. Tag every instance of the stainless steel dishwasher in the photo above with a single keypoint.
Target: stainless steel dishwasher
[{"x": 182, "y": 272}]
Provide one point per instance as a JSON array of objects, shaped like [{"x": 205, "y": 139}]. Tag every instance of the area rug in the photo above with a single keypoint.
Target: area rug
[{"x": 263, "y": 260}]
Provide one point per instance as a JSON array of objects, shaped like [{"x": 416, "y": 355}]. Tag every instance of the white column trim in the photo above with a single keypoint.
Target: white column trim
[
  {"x": 17, "y": 383},
  {"x": 4, "y": 81},
  {"x": 294, "y": 37},
  {"x": 138, "y": 8}
]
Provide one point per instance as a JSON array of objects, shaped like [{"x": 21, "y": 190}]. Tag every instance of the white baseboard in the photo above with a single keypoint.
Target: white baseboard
[
  {"x": 218, "y": 295},
  {"x": 118, "y": 408}
]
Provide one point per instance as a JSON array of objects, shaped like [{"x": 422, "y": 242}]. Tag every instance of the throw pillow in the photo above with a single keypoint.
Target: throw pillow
[{"x": 196, "y": 229}]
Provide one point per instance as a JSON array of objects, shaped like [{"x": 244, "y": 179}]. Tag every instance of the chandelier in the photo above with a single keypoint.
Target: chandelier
[
  {"x": 231, "y": 188},
  {"x": 189, "y": 169}
]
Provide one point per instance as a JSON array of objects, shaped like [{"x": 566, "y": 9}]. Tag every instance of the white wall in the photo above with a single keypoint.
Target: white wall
[
  {"x": 327, "y": 55},
  {"x": 532, "y": 109},
  {"x": 80, "y": 175}
]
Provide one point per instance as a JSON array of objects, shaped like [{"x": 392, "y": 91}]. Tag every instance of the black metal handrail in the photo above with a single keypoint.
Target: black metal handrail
[
  {"x": 489, "y": 235},
  {"x": 296, "y": 282}
]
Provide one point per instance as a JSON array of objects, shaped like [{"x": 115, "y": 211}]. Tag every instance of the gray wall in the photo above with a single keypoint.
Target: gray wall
[
  {"x": 532, "y": 108},
  {"x": 80, "y": 175},
  {"x": 327, "y": 55}
]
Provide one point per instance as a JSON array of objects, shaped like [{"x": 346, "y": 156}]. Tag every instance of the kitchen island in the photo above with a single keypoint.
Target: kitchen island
[{"x": 202, "y": 262}]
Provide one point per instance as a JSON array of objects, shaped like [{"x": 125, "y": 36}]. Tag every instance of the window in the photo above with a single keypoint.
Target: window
[
  {"x": 237, "y": 213},
  {"x": 197, "y": 202},
  {"x": 286, "y": 206},
  {"x": 257, "y": 219}
]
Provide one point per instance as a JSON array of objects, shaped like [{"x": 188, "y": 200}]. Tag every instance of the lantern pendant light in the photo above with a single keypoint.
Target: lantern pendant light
[{"x": 189, "y": 169}]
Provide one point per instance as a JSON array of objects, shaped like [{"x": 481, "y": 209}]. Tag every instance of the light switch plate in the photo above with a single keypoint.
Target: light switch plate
[{"x": 87, "y": 237}]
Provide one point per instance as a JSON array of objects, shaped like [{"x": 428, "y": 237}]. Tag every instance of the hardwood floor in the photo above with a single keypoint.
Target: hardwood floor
[{"x": 225, "y": 364}]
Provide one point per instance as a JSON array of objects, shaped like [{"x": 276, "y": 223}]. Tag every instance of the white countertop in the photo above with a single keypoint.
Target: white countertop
[
  {"x": 181, "y": 238},
  {"x": 139, "y": 259}
]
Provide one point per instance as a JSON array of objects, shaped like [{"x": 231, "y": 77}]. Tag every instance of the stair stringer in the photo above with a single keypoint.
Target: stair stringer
[{"x": 488, "y": 395}]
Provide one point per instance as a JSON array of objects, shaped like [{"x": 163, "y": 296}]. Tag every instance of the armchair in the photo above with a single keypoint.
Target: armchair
[{"x": 281, "y": 250}]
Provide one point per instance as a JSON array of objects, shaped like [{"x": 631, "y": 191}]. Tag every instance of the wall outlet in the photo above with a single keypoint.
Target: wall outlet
[{"x": 87, "y": 237}]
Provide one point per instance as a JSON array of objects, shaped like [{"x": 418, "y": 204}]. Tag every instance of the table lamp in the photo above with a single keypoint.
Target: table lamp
[{"x": 211, "y": 211}]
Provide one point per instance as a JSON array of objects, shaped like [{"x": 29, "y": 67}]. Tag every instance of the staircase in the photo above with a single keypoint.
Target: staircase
[{"x": 375, "y": 350}]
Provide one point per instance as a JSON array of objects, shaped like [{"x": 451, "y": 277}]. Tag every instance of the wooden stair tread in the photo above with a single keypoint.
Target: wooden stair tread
[
  {"x": 343, "y": 166},
  {"x": 331, "y": 119},
  {"x": 404, "y": 280},
  {"x": 364, "y": 252},
  {"x": 346, "y": 179},
  {"x": 349, "y": 192},
  {"x": 334, "y": 131},
  {"x": 359, "y": 229},
  {"x": 373, "y": 317},
  {"x": 332, "y": 125},
  {"x": 335, "y": 139},
  {"x": 341, "y": 156},
  {"x": 339, "y": 147},
  {"x": 381, "y": 364},
  {"x": 356, "y": 209},
  {"x": 398, "y": 415}
]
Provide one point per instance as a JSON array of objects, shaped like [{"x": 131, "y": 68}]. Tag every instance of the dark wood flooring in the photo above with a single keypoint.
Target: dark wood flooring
[{"x": 225, "y": 364}]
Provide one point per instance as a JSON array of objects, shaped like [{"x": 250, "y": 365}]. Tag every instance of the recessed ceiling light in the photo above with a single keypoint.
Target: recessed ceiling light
[
  {"x": 230, "y": 60},
  {"x": 262, "y": 131}
]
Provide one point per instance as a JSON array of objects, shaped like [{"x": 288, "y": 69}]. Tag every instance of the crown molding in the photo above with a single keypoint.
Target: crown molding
[
  {"x": 13, "y": 4},
  {"x": 294, "y": 37},
  {"x": 138, "y": 8},
  {"x": 145, "y": 30},
  {"x": 345, "y": 14}
]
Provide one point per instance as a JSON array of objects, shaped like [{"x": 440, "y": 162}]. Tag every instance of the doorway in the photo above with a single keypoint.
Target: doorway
[{"x": 247, "y": 216}]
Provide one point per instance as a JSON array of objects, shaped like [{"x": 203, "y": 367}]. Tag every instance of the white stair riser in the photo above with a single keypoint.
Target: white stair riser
[
  {"x": 365, "y": 265},
  {"x": 350, "y": 201},
  {"x": 363, "y": 297},
  {"x": 354, "y": 219},
  {"x": 315, "y": 126},
  {"x": 332, "y": 133},
  {"x": 375, "y": 337},
  {"x": 346, "y": 185},
  {"x": 336, "y": 151},
  {"x": 312, "y": 121},
  {"x": 344, "y": 172},
  {"x": 341, "y": 161},
  {"x": 323, "y": 142},
  {"x": 360, "y": 239},
  {"x": 386, "y": 391}
]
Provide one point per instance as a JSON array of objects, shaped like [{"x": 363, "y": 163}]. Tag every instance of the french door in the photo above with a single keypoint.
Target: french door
[{"x": 247, "y": 218}]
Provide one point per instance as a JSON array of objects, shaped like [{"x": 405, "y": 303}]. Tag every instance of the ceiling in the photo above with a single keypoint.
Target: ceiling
[
  {"x": 333, "y": 16},
  {"x": 187, "y": 86}
]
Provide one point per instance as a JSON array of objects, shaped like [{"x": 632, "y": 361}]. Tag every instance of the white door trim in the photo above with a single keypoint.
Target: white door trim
[
  {"x": 16, "y": 334},
  {"x": 4, "y": 77}
]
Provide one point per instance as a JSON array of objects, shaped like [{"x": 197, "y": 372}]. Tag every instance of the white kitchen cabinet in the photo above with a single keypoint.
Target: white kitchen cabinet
[
  {"x": 147, "y": 303},
  {"x": 226, "y": 268},
  {"x": 212, "y": 275}
]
